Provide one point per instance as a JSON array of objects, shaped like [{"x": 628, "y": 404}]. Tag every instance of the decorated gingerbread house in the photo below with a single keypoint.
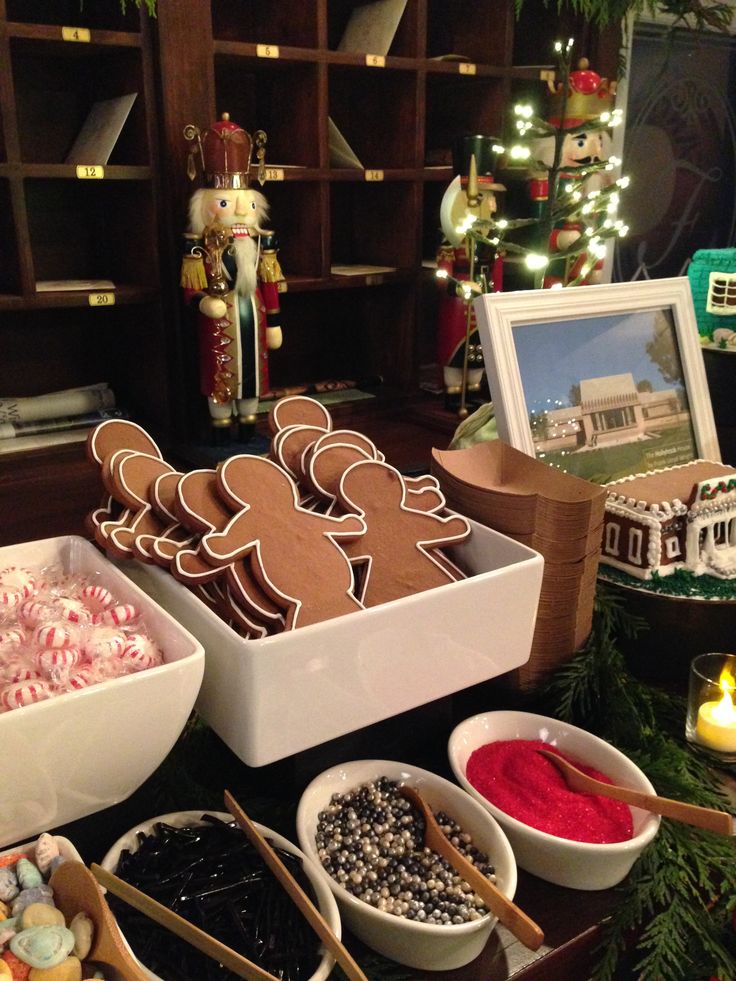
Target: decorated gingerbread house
[{"x": 682, "y": 517}]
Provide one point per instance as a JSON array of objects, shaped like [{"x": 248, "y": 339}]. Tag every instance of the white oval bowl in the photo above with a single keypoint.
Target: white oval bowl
[
  {"x": 419, "y": 945},
  {"x": 181, "y": 819},
  {"x": 575, "y": 864}
]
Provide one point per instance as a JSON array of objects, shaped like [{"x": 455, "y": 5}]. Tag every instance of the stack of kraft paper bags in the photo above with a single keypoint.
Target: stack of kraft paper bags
[{"x": 556, "y": 514}]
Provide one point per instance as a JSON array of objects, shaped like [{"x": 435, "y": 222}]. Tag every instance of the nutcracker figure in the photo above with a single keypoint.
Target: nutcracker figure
[
  {"x": 231, "y": 273},
  {"x": 466, "y": 267},
  {"x": 587, "y": 97}
]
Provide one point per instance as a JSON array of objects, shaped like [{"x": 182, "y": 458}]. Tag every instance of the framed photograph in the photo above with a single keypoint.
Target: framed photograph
[{"x": 601, "y": 381}]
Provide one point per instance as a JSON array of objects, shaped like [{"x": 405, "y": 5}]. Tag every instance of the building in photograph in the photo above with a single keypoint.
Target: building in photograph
[{"x": 612, "y": 410}]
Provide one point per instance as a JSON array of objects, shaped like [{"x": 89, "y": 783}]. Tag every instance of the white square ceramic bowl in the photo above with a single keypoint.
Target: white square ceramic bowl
[
  {"x": 576, "y": 864},
  {"x": 419, "y": 945},
  {"x": 270, "y": 698},
  {"x": 181, "y": 819},
  {"x": 82, "y": 751}
]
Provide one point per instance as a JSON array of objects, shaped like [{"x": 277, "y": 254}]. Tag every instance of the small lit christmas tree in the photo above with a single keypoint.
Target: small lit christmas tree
[{"x": 575, "y": 197}]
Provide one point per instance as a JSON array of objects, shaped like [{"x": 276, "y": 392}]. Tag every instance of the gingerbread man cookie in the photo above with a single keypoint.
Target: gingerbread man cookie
[
  {"x": 298, "y": 410},
  {"x": 294, "y": 553},
  {"x": 398, "y": 548}
]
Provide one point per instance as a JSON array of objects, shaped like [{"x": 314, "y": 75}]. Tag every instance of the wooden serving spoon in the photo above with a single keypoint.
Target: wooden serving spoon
[
  {"x": 701, "y": 817},
  {"x": 508, "y": 913},
  {"x": 76, "y": 891}
]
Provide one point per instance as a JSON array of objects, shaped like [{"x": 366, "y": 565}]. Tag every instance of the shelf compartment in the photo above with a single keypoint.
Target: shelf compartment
[
  {"x": 94, "y": 14},
  {"x": 352, "y": 343},
  {"x": 9, "y": 267},
  {"x": 54, "y": 98},
  {"x": 265, "y": 23},
  {"x": 377, "y": 112},
  {"x": 92, "y": 230},
  {"x": 405, "y": 42},
  {"x": 374, "y": 224},
  {"x": 481, "y": 34},
  {"x": 457, "y": 106},
  {"x": 280, "y": 97},
  {"x": 296, "y": 215}
]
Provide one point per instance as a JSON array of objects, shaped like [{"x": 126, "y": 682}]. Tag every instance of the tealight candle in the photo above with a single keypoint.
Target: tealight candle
[{"x": 711, "y": 721}]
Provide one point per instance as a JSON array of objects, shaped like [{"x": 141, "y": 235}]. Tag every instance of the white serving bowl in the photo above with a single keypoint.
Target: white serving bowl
[
  {"x": 576, "y": 864},
  {"x": 82, "y": 751},
  {"x": 420, "y": 945},
  {"x": 181, "y": 819}
]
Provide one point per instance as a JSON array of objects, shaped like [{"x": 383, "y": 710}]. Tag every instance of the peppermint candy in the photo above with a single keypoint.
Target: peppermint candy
[
  {"x": 117, "y": 615},
  {"x": 24, "y": 693},
  {"x": 10, "y": 638},
  {"x": 15, "y": 585},
  {"x": 82, "y": 679},
  {"x": 56, "y": 662},
  {"x": 73, "y": 610},
  {"x": 104, "y": 642},
  {"x": 96, "y": 598},
  {"x": 140, "y": 653},
  {"x": 54, "y": 635}
]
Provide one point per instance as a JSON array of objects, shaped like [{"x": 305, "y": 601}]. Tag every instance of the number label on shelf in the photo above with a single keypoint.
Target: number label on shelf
[
  {"x": 466, "y": 68},
  {"x": 90, "y": 172},
  {"x": 76, "y": 34},
  {"x": 101, "y": 299},
  {"x": 282, "y": 286},
  {"x": 375, "y": 61},
  {"x": 267, "y": 50},
  {"x": 373, "y": 279},
  {"x": 274, "y": 173},
  {"x": 374, "y": 175}
]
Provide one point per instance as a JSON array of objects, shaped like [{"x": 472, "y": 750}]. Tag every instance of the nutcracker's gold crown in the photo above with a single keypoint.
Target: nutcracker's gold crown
[
  {"x": 225, "y": 151},
  {"x": 588, "y": 95}
]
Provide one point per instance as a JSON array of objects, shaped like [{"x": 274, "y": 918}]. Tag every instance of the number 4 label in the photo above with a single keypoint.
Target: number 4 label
[{"x": 75, "y": 34}]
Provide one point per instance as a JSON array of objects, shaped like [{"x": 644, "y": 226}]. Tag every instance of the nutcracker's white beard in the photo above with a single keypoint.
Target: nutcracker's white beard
[{"x": 245, "y": 251}]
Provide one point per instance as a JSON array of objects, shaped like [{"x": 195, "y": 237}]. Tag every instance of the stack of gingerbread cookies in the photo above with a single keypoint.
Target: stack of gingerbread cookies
[{"x": 321, "y": 527}]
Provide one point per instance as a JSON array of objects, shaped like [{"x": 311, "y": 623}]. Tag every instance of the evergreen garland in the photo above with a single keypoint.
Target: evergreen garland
[
  {"x": 696, "y": 14},
  {"x": 680, "y": 897}
]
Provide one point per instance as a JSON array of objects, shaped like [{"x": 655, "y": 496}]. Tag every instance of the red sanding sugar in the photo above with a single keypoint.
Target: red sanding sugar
[{"x": 516, "y": 778}]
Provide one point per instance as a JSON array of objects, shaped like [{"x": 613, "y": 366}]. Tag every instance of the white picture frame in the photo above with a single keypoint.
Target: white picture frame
[{"x": 537, "y": 339}]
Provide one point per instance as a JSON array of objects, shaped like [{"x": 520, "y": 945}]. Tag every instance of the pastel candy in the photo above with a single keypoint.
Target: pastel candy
[
  {"x": 56, "y": 861},
  {"x": 4, "y": 910},
  {"x": 5, "y": 971},
  {"x": 38, "y": 894},
  {"x": 45, "y": 852},
  {"x": 43, "y": 946},
  {"x": 8, "y": 929},
  {"x": 28, "y": 875},
  {"x": 68, "y": 970},
  {"x": 9, "y": 887},
  {"x": 40, "y": 914},
  {"x": 84, "y": 930}
]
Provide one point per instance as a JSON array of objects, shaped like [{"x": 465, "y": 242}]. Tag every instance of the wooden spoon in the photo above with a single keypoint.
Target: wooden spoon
[
  {"x": 508, "y": 913},
  {"x": 76, "y": 891},
  {"x": 702, "y": 817},
  {"x": 309, "y": 911}
]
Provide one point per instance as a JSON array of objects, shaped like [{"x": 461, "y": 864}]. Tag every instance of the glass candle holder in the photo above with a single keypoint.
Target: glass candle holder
[{"x": 711, "y": 708}]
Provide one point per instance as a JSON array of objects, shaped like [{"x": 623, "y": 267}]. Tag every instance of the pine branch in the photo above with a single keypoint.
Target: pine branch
[{"x": 680, "y": 896}]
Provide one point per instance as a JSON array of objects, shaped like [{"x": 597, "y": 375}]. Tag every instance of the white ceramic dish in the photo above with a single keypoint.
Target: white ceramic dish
[
  {"x": 80, "y": 752},
  {"x": 419, "y": 945},
  {"x": 180, "y": 819},
  {"x": 270, "y": 698},
  {"x": 576, "y": 864}
]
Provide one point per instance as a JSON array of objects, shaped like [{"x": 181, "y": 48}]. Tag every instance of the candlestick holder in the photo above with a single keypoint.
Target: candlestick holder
[{"x": 711, "y": 714}]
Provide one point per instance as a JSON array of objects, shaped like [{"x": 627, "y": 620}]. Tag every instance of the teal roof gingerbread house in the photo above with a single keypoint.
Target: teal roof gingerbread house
[{"x": 712, "y": 275}]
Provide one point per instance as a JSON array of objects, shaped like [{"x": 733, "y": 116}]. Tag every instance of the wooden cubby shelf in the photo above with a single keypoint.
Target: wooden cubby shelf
[{"x": 452, "y": 67}]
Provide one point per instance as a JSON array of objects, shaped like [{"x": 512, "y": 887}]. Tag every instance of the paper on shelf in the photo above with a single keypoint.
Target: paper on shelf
[
  {"x": 372, "y": 27},
  {"x": 341, "y": 153},
  {"x": 100, "y": 131},
  {"x": 360, "y": 270},
  {"x": 40, "y": 442},
  {"x": 64, "y": 285},
  {"x": 70, "y": 402}
]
